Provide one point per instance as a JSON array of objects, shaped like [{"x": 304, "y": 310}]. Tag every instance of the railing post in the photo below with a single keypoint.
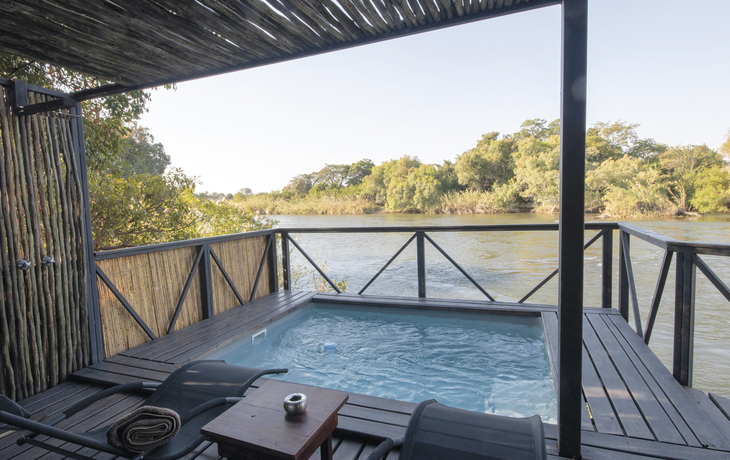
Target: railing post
[
  {"x": 684, "y": 319},
  {"x": 285, "y": 261},
  {"x": 206, "y": 275},
  {"x": 421, "y": 255},
  {"x": 607, "y": 265},
  {"x": 96, "y": 331},
  {"x": 623, "y": 277},
  {"x": 273, "y": 269}
]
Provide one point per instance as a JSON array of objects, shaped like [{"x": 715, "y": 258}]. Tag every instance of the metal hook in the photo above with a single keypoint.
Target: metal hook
[{"x": 23, "y": 264}]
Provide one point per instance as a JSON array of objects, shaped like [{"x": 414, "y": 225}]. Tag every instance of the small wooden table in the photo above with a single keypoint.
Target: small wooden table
[{"x": 258, "y": 428}]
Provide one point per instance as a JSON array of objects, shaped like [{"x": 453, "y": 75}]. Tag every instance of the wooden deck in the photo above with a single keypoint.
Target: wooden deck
[{"x": 634, "y": 407}]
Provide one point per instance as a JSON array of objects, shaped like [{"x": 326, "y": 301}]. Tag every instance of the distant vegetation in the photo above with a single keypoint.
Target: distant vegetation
[
  {"x": 626, "y": 177},
  {"x": 137, "y": 198}
]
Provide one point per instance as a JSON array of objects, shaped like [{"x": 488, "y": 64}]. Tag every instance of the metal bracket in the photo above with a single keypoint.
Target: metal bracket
[{"x": 20, "y": 101}]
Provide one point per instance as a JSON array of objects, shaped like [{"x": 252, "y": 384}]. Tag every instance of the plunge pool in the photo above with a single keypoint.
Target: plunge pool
[{"x": 489, "y": 363}]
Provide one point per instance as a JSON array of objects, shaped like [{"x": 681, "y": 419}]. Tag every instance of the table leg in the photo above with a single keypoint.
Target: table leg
[{"x": 326, "y": 449}]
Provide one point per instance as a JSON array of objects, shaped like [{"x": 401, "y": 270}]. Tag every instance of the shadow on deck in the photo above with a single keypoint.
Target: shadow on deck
[{"x": 634, "y": 407}]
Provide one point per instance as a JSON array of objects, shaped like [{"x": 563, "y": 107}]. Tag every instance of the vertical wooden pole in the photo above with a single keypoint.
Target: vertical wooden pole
[
  {"x": 623, "y": 276},
  {"x": 607, "y": 266},
  {"x": 684, "y": 319},
  {"x": 572, "y": 208},
  {"x": 96, "y": 337},
  {"x": 273, "y": 269},
  {"x": 206, "y": 274},
  {"x": 421, "y": 255},
  {"x": 285, "y": 261}
]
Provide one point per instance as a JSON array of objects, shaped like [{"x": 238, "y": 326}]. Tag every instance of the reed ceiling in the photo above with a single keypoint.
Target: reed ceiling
[{"x": 143, "y": 43}]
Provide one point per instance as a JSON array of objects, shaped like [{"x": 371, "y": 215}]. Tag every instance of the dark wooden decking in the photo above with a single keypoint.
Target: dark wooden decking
[{"x": 635, "y": 409}]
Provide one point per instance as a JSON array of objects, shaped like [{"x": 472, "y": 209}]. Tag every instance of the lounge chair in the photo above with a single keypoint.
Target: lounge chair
[
  {"x": 438, "y": 432},
  {"x": 198, "y": 392}
]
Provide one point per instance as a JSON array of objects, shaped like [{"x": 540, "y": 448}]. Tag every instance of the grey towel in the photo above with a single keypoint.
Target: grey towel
[{"x": 144, "y": 429}]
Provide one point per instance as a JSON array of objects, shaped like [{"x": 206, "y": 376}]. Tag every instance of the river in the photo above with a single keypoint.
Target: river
[{"x": 509, "y": 264}]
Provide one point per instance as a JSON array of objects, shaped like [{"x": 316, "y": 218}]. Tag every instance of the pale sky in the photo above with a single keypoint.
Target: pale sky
[{"x": 664, "y": 64}]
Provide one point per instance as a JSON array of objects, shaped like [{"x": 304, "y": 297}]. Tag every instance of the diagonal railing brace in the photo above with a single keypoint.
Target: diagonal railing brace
[
  {"x": 314, "y": 264},
  {"x": 458, "y": 267},
  {"x": 388, "y": 263}
]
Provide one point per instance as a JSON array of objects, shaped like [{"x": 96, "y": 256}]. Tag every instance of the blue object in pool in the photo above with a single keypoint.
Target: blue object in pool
[{"x": 330, "y": 346}]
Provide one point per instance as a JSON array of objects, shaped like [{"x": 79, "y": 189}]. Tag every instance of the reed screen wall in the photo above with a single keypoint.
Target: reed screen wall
[
  {"x": 44, "y": 317},
  {"x": 167, "y": 288}
]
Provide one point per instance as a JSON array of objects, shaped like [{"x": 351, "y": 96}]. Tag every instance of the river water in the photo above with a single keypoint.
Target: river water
[{"x": 509, "y": 264}]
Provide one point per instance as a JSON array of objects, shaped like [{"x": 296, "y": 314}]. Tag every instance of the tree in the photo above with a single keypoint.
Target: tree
[
  {"x": 140, "y": 155},
  {"x": 107, "y": 121},
  {"x": 141, "y": 209},
  {"x": 359, "y": 171},
  {"x": 489, "y": 163},
  {"x": 681, "y": 164},
  {"x": 626, "y": 187},
  {"x": 725, "y": 149}
]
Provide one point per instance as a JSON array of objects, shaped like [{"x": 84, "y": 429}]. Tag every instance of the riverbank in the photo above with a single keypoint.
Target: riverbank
[{"x": 457, "y": 203}]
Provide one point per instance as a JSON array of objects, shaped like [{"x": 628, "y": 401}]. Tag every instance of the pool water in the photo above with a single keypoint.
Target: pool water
[{"x": 488, "y": 363}]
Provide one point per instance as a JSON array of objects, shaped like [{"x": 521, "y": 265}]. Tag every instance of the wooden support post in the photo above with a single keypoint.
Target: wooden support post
[
  {"x": 572, "y": 209},
  {"x": 96, "y": 334},
  {"x": 623, "y": 275},
  {"x": 273, "y": 269},
  {"x": 285, "y": 261},
  {"x": 684, "y": 319},
  {"x": 421, "y": 255},
  {"x": 207, "y": 282},
  {"x": 607, "y": 267}
]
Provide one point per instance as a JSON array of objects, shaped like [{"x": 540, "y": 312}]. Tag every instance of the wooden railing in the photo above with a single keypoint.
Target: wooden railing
[
  {"x": 149, "y": 291},
  {"x": 604, "y": 232},
  {"x": 686, "y": 264}
]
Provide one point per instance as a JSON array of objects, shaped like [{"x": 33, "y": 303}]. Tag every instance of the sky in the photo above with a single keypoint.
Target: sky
[{"x": 663, "y": 64}]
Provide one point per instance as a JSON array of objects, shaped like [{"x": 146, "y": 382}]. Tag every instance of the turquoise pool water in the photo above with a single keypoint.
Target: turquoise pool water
[{"x": 489, "y": 363}]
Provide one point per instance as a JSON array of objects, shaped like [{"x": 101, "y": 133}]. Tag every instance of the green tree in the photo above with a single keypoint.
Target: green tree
[
  {"x": 107, "y": 121},
  {"x": 626, "y": 187},
  {"x": 140, "y": 155},
  {"x": 359, "y": 171},
  {"x": 489, "y": 163},
  {"x": 712, "y": 189},
  {"x": 141, "y": 209},
  {"x": 681, "y": 164}
]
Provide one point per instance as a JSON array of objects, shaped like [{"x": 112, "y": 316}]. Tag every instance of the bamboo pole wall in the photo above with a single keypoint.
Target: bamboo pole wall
[
  {"x": 153, "y": 285},
  {"x": 240, "y": 259},
  {"x": 43, "y": 320}
]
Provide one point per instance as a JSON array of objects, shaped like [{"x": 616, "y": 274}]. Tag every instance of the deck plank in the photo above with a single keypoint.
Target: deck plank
[
  {"x": 604, "y": 417},
  {"x": 713, "y": 413},
  {"x": 654, "y": 415},
  {"x": 656, "y": 390},
  {"x": 704, "y": 430},
  {"x": 722, "y": 403},
  {"x": 149, "y": 350},
  {"x": 224, "y": 331},
  {"x": 550, "y": 328},
  {"x": 629, "y": 415}
]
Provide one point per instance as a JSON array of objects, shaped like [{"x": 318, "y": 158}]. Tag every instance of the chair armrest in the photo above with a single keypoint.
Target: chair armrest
[
  {"x": 89, "y": 400},
  {"x": 384, "y": 447},
  {"x": 205, "y": 407}
]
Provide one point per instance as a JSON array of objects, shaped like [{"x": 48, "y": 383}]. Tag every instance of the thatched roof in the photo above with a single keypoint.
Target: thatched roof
[{"x": 144, "y": 43}]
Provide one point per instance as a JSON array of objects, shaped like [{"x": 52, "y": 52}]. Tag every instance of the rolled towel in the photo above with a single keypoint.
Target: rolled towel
[{"x": 144, "y": 429}]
